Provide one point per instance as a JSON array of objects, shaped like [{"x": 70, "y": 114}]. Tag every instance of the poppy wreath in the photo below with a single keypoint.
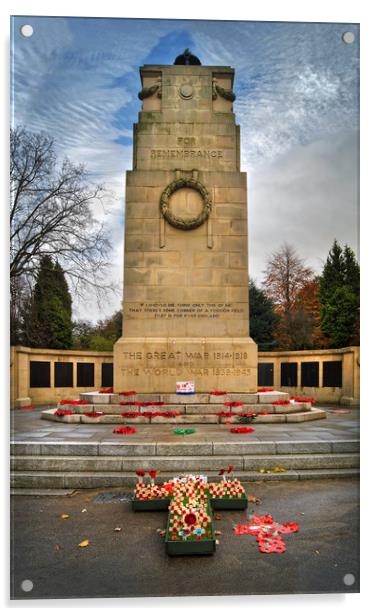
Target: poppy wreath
[
  {"x": 94, "y": 414},
  {"x": 184, "y": 431},
  {"x": 217, "y": 393},
  {"x": 127, "y": 393},
  {"x": 241, "y": 430},
  {"x": 132, "y": 414},
  {"x": 233, "y": 404},
  {"x": 246, "y": 417},
  {"x": 185, "y": 223},
  {"x": 124, "y": 430}
]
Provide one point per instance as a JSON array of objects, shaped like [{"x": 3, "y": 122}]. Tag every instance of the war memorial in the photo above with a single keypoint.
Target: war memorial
[{"x": 185, "y": 342}]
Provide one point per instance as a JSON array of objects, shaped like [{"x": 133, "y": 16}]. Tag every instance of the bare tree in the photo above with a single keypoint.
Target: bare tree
[
  {"x": 51, "y": 214},
  {"x": 285, "y": 275}
]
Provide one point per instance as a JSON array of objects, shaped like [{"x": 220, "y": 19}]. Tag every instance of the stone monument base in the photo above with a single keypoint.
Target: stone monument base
[{"x": 153, "y": 365}]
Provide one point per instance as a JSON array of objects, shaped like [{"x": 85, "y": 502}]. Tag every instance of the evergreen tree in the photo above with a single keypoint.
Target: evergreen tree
[
  {"x": 263, "y": 318},
  {"x": 339, "y": 296},
  {"x": 48, "y": 318}
]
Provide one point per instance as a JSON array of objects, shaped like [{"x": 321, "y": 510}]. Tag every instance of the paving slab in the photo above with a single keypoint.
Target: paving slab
[{"x": 333, "y": 428}]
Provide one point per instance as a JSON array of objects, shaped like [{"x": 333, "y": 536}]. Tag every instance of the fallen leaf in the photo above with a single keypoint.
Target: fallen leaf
[
  {"x": 302, "y": 512},
  {"x": 57, "y": 547},
  {"x": 317, "y": 552},
  {"x": 254, "y": 499},
  {"x": 218, "y": 532},
  {"x": 217, "y": 516},
  {"x": 217, "y": 542},
  {"x": 83, "y": 510},
  {"x": 65, "y": 516},
  {"x": 117, "y": 529},
  {"x": 84, "y": 543}
]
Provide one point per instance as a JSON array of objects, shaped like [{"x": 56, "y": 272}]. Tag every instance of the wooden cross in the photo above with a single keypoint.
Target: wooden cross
[
  {"x": 267, "y": 532},
  {"x": 189, "y": 500}
]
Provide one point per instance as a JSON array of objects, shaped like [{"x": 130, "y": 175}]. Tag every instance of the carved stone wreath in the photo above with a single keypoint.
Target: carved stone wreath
[{"x": 185, "y": 223}]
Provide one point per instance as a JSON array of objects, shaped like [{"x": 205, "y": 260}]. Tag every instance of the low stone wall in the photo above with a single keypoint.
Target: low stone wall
[
  {"x": 314, "y": 374},
  {"x": 45, "y": 376}
]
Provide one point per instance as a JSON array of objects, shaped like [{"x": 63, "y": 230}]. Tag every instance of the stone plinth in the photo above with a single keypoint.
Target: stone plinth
[{"x": 186, "y": 313}]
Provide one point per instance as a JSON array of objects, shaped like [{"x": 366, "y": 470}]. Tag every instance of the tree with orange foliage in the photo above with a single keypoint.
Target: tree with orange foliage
[
  {"x": 285, "y": 276},
  {"x": 308, "y": 301}
]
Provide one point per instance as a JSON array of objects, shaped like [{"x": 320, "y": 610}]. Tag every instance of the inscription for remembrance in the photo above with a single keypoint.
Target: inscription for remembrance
[{"x": 184, "y": 151}]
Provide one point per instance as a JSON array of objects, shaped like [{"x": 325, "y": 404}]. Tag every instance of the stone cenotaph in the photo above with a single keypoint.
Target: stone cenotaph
[{"x": 185, "y": 306}]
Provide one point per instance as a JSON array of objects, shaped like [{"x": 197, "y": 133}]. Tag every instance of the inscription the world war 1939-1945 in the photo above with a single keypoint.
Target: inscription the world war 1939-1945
[{"x": 191, "y": 311}]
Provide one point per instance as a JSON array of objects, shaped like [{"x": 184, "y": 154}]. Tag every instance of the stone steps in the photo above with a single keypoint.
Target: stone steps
[
  {"x": 111, "y": 464},
  {"x": 182, "y": 463},
  {"x": 85, "y": 480},
  {"x": 281, "y": 415}
]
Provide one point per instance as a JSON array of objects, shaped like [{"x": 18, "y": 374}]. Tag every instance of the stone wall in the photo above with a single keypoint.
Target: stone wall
[{"x": 286, "y": 366}]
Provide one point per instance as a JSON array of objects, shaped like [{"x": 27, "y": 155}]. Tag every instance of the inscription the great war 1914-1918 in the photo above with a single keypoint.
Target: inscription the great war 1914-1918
[{"x": 186, "y": 313}]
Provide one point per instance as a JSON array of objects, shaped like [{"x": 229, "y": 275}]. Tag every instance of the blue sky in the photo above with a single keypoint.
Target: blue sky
[{"x": 297, "y": 103}]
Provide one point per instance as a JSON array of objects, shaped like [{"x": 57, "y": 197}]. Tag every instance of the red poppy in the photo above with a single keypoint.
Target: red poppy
[
  {"x": 281, "y": 402},
  {"x": 62, "y": 413},
  {"x": 140, "y": 473},
  {"x": 222, "y": 471},
  {"x": 127, "y": 403},
  {"x": 153, "y": 474},
  {"x": 93, "y": 414},
  {"x": 26, "y": 408},
  {"x": 264, "y": 390},
  {"x": 241, "y": 430},
  {"x": 262, "y": 414},
  {"x": 225, "y": 414},
  {"x": 190, "y": 519},
  {"x": 124, "y": 430},
  {"x": 131, "y": 414},
  {"x": 247, "y": 414},
  {"x": 127, "y": 393},
  {"x": 233, "y": 404},
  {"x": 312, "y": 400},
  {"x": 109, "y": 390},
  {"x": 230, "y": 468},
  {"x": 217, "y": 393}
]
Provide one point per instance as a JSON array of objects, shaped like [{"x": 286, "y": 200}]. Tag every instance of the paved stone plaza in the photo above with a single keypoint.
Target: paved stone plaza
[
  {"x": 132, "y": 562},
  {"x": 27, "y": 425}
]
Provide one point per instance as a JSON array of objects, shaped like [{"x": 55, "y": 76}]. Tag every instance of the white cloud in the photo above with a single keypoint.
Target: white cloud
[{"x": 306, "y": 197}]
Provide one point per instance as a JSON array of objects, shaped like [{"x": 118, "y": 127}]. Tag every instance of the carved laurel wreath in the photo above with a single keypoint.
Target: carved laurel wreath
[
  {"x": 229, "y": 95},
  {"x": 146, "y": 92},
  {"x": 185, "y": 223}
]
